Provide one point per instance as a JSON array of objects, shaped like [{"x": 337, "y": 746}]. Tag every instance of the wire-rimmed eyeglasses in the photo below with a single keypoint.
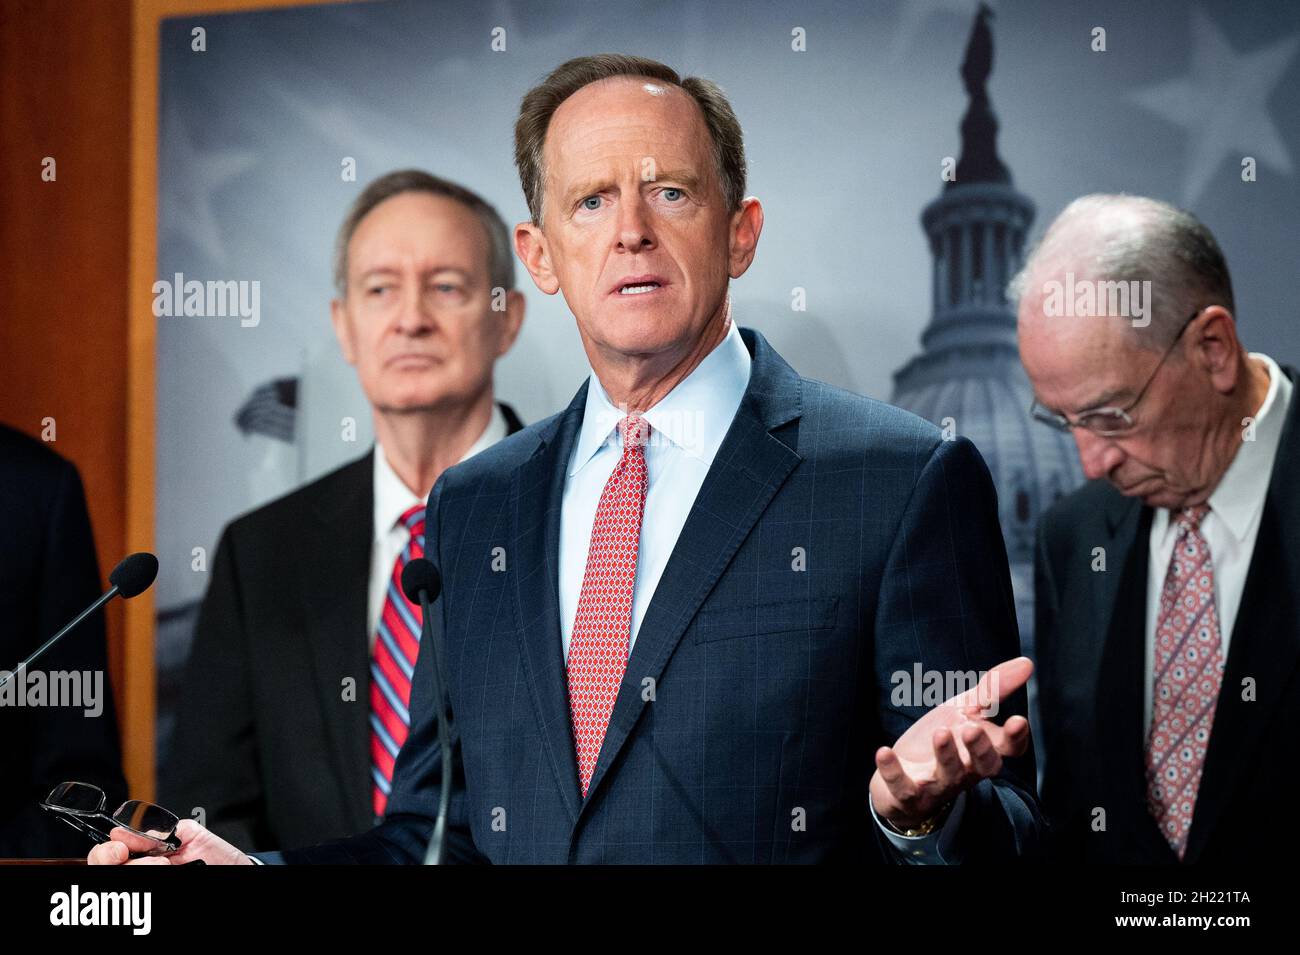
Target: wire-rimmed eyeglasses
[
  {"x": 1108, "y": 422},
  {"x": 81, "y": 805}
]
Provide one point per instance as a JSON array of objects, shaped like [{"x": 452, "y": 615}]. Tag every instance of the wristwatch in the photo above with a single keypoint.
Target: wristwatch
[{"x": 926, "y": 826}]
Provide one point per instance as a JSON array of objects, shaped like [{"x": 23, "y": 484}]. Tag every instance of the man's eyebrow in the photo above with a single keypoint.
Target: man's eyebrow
[
  {"x": 684, "y": 176},
  {"x": 394, "y": 270}
]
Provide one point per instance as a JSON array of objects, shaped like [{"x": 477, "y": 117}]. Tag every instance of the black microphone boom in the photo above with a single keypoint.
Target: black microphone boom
[
  {"x": 133, "y": 576},
  {"x": 422, "y": 584}
]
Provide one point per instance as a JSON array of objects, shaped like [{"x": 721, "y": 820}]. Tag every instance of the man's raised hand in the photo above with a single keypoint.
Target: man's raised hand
[{"x": 950, "y": 749}]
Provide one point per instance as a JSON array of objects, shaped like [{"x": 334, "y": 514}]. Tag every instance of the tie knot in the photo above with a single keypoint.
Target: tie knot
[
  {"x": 413, "y": 518},
  {"x": 636, "y": 431},
  {"x": 1189, "y": 518}
]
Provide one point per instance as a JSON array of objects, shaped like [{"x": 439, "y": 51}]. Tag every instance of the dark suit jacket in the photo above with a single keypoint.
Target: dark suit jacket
[
  {"x": 266, "y": 742},
  {"x": 770, "y": 685},
  {"x": 1091, "y": 643},
  {"x": 48, "y": 575}
]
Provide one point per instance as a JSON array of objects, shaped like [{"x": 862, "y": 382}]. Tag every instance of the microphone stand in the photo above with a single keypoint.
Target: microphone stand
[
  {"x": 109, "y": 595},
  {"x": 435, "y": 853}
]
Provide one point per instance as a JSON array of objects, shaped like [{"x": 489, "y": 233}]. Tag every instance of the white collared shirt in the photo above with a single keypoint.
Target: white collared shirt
[
  {"x": 686, "y": 429},
  {"x": 391, "y": 500},
  {"x": 1230, "y": 528}
]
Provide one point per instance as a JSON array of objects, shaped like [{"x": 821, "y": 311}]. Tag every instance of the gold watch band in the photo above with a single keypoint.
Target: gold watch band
[{"x": 926, "y": 826}]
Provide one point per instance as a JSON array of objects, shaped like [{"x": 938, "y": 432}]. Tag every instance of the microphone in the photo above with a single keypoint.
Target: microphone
[
  {"x": 422, "y": 584},
  {"x": 135, "y": 574},
  {"x": 132, "y": 577},
  {"x": 419, "y": 574}
]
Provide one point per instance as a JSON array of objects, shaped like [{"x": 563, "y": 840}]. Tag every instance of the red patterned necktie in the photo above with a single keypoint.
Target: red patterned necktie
[
  {"x": 392, "y": 665},
  {"x": 1188, "y": 674},
  {"x": 602, "y": 627}
]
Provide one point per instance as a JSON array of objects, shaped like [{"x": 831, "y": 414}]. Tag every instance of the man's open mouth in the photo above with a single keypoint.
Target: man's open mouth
[{"x": 641, "y": 284}]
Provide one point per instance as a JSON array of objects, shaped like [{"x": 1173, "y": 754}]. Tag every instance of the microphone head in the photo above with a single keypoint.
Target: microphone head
[
  {"x": 420, "y": 574},
  {"x": 134, "y": 574}
]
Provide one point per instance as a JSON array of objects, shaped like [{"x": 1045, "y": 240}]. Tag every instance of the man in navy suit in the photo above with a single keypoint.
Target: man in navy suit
[{"x": 699, "y": 615}]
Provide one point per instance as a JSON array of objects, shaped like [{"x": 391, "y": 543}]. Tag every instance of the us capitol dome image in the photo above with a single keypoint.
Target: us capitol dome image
[{"x": 968, "y": 376}]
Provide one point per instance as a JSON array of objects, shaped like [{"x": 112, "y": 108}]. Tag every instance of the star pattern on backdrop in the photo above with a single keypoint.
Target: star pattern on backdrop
[
  {"x": 340, "y": 123},
  {"x": 189, "y": 189},
  {"x": 1222, "y": 103}
]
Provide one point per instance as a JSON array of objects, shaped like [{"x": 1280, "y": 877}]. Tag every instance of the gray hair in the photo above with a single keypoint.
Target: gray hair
[
  {"x": 1162, "y": 244},
  {"x": 501, "y": 260}
]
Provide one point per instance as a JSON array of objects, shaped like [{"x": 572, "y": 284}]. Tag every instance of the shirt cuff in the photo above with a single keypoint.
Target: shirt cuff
[{"x": 941, "y": 847}]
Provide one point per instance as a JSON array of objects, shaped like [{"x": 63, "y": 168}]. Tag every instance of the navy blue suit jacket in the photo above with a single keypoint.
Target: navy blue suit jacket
[{"x": 836, "y": 541}]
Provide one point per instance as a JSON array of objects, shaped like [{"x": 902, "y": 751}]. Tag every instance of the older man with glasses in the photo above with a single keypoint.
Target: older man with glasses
[{"x": 1168, "y": 626}]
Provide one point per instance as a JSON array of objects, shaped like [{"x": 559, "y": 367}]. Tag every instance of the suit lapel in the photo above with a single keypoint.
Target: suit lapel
[
  {"x": 513, "y": 423},
  {"x": 749, "y": 468},
  {"x": 538, "y": 491},
  {"x": 334, "y": 601},
  {"x": 1121, "y": 596},
  {"x": 334, "y": 597},
  {"x": 1126, "y": 553},
  {"x": 1265, "y": 644}
]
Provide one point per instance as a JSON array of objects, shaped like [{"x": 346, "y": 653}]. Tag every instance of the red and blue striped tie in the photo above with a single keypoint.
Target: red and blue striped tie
[{"x": 392, "y": 665}]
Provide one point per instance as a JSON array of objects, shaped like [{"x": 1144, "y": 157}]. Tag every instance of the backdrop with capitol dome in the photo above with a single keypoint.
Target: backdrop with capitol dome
[{"x": 875, "y": 272}]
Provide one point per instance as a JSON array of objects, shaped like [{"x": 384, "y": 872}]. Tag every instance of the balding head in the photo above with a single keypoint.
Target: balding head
[
  {"x": 1122, "y": 243},
  {"x": 1102, "y": 302}
]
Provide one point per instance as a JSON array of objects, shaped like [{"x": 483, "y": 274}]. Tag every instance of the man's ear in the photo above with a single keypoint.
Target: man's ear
[
  {"x": 533, "y": 251},
  {"x": 342, "y": 329},
  {"x": 511, "y": 321},
  {"x": 1217, "y": 347},
  {"x": 746, "y": 225}
]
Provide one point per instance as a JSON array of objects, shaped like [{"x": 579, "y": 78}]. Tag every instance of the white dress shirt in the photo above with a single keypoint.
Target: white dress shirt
[
  {"x": 1230, "y": 527},
  {"x": 391, "y": 499},
  {"x": 687, "y": 428}
]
